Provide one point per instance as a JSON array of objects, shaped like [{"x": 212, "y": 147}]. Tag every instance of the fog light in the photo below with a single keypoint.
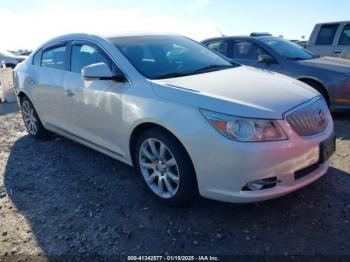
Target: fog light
[{"x": 260, "y": 184}]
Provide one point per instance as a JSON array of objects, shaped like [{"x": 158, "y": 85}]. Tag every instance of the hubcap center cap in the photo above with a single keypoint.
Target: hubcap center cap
[{"x": 160, "y": 166}]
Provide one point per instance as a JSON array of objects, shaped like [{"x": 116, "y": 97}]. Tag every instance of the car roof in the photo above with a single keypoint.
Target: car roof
[
  {"x": 83, "y": 36},
  {"x": 138, "y": 33},
  {"x": 336, "y": 22},
  {"x": 237, "y": 37}
]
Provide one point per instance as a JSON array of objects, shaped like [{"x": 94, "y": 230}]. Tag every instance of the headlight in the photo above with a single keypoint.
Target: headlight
[{"x": 245, "y": 129}]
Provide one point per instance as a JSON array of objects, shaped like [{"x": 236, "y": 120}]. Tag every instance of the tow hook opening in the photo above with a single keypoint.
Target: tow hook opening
[{"x": 261, "y": 184}]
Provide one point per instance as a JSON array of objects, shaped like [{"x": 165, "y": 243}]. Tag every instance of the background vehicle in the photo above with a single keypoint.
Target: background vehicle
[
  {"x": 301, "y": 43},
  {"x": 329, "y": 76},
  {"x": 187, "y": 118},
  {"x": 10, "y": 59},
  {"x": 331, "y": 39}
]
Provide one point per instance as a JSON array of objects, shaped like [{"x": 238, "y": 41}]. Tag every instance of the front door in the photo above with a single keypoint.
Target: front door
[
  {"x": 246, "y": 52},
  {"x": 94, "y": 106}
]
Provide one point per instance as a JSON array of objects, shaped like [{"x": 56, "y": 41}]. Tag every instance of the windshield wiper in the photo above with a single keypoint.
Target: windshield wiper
[
  {"x": 197, "y": 71},
  {"x": 211, "y": 68},
  {"x": 171, "y": 75},
  {"x": 298, "y": 58}
]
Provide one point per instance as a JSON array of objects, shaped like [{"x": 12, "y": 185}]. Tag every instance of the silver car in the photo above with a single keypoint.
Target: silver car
[
  {"x": 9, "y": 59},
  {"x": 189, "y": 120},
  {"x": 329, "y": 76}
]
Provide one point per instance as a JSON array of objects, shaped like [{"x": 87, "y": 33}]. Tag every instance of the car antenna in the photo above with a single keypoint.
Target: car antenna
[{"x": 217, "y": 28}]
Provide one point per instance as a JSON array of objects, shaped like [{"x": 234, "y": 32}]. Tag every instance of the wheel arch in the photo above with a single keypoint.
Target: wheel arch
[
  {"x": 316, "y": 84},
  {"x": 142, "y": 127},
  {"x": 21, "y": 94}
]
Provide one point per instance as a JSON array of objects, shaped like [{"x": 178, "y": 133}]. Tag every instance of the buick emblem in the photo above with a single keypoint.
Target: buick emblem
[{"x": 322, "y": 119}]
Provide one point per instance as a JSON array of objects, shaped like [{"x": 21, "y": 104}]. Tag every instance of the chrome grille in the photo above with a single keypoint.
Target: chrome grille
[{"x": 310, "y": 119}]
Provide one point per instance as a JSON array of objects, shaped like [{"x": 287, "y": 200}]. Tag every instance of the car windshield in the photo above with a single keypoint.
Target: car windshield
[
  {"x": 288, "y": 49},
  {"x": 157, "y": 57}
]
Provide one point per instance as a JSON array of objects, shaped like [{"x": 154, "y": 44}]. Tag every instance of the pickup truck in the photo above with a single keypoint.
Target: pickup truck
[{"x": 330, "y": 39}]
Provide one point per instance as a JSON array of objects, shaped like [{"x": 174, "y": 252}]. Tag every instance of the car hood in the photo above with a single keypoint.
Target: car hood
[
  {"x": 243, "y": 91},
  {"x": 328, "y": 63}
]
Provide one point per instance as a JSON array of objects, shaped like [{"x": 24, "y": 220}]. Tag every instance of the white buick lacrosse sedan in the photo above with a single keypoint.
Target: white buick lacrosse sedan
[{"x": 189, "y": 120}]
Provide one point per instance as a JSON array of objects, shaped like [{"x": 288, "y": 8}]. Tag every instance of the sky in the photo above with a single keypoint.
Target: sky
[{"x": 29, "y": 23}]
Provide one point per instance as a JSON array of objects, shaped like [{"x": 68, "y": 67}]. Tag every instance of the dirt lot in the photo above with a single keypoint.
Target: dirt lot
[{"x": 58, "y": 197}]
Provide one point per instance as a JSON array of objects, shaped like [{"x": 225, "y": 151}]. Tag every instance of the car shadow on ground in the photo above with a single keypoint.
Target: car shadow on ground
[
  {"x": 8, "y": 108},
  {"x": 343, "y": 131},
  {"x": 78, "y": 201}
]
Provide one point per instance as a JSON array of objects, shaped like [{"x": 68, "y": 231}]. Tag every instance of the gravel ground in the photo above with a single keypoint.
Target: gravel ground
[{"x": 59, "y": 198}]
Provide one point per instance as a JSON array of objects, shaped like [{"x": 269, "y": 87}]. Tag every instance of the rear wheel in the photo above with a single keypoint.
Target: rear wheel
[
  {"x": 31, "y": 119},
  {"x": 165, "y": 167}
]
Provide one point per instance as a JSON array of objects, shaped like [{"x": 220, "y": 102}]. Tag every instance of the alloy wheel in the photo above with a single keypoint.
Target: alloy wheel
[
  {"x": 159, "y": 168},
  {"x": 29, "y": 118}
]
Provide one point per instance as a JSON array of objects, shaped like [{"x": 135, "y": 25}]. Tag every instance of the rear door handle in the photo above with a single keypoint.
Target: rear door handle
[
  {"x": 336, "y": 51},
  {"x": 69, "y": 92}
]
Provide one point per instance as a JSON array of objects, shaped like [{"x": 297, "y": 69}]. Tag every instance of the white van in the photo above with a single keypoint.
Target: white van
[{"x": 330, "y": 39}]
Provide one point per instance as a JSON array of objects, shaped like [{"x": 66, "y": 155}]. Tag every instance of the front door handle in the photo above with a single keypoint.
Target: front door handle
[
  {"x": 69, "y": 92},
  {"x": 336, "y": 51}
]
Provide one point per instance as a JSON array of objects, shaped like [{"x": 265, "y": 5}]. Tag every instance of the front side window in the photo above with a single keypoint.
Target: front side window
[
  {"x": 326, "y": 34},
  {"x": 220, "y": 47},
  {"x": 246, "y": 50},
  {"x": 54, "y": 58},
  {"x": 345, "y": 36},
  {"x": 157, "y": 57},
  {"x": 287, "y": 49},
  {"x": 84, "y": 55}
]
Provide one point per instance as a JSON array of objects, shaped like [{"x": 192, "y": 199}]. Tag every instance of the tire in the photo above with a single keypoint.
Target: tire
[
  {"x": 319, "y": 88},
  {"x": 164, "y": 163},
  {"x": 31, "y": 120}
]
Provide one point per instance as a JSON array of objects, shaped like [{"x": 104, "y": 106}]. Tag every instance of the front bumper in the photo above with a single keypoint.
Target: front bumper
[{"x": 224, "y": 167}]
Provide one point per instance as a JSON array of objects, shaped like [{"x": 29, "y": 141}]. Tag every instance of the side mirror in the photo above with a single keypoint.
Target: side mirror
[
  {"x": 266, "y": 59},
  {"x": 101, "y": 71}
]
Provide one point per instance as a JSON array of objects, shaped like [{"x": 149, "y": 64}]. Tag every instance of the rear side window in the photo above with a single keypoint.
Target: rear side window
[
  {"x": 54, "y": 58},
  {"x": 37, "y": 58},
  {"x": 345, "y": 36},
  {"x": 220, "y": 47},
  {"x": 84, "y": 55},
  {"x": 326, "y": 34}
]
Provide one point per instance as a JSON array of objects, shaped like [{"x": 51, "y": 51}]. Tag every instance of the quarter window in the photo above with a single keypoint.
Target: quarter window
[
  {"x": 326, "y": 34},
  {"x": 54, "y": 58},
  {"x": 37, "y": 58},
  {"x": 84, "y": 55},
  {"x": 345, "y": 36},
  {"x": 220, "y": 47},
  {"x": 247, "y": 50}
]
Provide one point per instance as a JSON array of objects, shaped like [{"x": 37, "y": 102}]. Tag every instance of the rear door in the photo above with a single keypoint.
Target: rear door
[
  {"x": 325, "y": 40},
  {"x": 220, "y": 46},
  {"x": 343, "y": 43},
  {"x": 46, "y": 80}
]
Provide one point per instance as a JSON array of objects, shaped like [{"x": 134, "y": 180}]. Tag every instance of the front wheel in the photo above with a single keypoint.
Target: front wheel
[
  {"x": 166, "y": 167},
  {"x": 31, "y": 119}
]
